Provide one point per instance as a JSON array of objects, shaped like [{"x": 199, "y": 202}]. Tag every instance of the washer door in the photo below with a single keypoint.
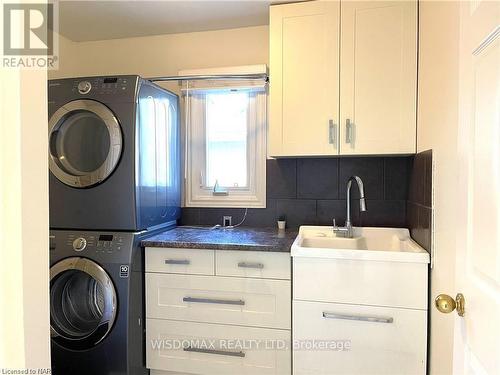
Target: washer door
[
  {"x": 83, "y": 303},
  {"x": 85, "y": 143}
]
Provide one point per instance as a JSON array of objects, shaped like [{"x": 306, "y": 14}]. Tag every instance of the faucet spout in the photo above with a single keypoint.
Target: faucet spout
[
  {"x": 347, "y": 230},
  {"x": 361, "y": 188}
]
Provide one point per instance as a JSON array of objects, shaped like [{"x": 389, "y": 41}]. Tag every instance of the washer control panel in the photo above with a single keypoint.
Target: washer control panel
[
  {"x": 109, "y": 247},
  {"x": 96, "y": 243}
]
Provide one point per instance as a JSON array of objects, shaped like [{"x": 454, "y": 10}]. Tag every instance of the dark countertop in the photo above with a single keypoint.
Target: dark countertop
[{"x": 254, "y": 239}]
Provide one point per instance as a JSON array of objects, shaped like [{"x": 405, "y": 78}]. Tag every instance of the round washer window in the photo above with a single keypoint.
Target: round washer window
[
  {"x": 83, "y": 303},
  {"x": 77, "y": 304}
]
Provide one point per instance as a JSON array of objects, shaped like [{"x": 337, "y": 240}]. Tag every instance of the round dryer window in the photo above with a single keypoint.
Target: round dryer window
[
  {"x": 82, "y": 303},
  {"x": 85, "y": 143}
]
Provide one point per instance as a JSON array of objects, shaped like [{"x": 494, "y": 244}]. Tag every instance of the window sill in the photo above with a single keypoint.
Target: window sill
[{"x": 234, "y": 201}]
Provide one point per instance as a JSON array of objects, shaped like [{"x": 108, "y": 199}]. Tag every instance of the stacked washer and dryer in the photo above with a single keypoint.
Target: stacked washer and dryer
[{"x": 114, "y": 180}]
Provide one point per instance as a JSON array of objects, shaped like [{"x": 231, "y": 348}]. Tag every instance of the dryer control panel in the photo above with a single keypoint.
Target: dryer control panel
[
  {"x": 102, "y": 85},
  {"x": 109, "y": 90}
]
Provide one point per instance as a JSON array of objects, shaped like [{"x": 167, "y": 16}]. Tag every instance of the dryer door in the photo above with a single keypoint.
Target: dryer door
[
  {"x": 85, "y": 143},
  {"x": 83, "y": 303}
]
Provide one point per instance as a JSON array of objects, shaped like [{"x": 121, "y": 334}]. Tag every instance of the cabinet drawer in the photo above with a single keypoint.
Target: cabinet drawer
[
  {"x": 253, "y": 264},
  {"x": 394, "y": 284},
  {"x": 382, "y": 340},
  {"x": 225, "y": 300},
  {"x": 187, "y": 261},
  {"x": 199, "y": 348}
]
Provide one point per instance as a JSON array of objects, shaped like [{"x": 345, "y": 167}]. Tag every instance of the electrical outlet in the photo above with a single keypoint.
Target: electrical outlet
[{"x": 227, "y": 221}]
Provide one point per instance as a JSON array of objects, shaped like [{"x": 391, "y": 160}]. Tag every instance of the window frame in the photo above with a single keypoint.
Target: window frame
[{"x": 254, "y": 195}]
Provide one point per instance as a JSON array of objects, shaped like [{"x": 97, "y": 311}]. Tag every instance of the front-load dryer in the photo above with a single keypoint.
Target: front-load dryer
[{"x": 114, "y": 154}]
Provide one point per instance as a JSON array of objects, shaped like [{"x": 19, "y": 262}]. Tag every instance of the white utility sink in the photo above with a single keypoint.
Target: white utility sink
[{"x": 382, "y": 244}]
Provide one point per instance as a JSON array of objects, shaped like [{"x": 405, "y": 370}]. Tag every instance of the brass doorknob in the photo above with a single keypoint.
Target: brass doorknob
[{"x": 446, "y": 304}]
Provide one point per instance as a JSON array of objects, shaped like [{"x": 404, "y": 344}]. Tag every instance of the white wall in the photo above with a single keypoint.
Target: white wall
[
  {"x": 68, "y": 58},
  {"x": 437, "y": 129},
  {"x": 24, "y": 224}
]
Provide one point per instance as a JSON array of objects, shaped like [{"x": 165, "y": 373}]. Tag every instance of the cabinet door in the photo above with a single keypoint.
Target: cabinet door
[
  {"x": 304, "y": 79},
  {"x": 378, "y": 73}
]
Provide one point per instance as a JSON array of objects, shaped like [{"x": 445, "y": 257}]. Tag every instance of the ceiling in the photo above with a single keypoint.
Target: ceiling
[{"x": 99, "y": 20}]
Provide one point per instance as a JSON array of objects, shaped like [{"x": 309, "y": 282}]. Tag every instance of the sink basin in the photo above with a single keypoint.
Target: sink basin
[
  {"x": 383, "y": 244},
  {"x": 330, "y": 242}
]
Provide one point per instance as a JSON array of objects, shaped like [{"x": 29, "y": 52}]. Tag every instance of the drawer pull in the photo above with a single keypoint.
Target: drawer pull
[
  {"x": 349, "y": 137},
  {"x": 177, "y": 261},
  {"x": 250, "y": 265},
  {"x": 238, "y": 302},
  {"x": 213, "y": 351},
  {"x": 332, "y": 133},
  {"x": 375, "y": 319}
]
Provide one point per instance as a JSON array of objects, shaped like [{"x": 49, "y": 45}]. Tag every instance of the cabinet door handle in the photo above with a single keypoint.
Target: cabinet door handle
[
  {"x": 375, "y": 319},
  {"x": 332, "y": 133},
  {"x": 349, "y": 132},
  {"x": 214, "y": 351},
  {"x": 250, "y": 265},
  {"x": 238, "y": 302},
  {"x": 177, "y": 261}
]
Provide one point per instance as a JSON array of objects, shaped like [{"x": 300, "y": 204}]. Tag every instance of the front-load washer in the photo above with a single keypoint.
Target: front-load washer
[
  {"x": 114, "y": 154},
  {"x": 97, "y": 303}
]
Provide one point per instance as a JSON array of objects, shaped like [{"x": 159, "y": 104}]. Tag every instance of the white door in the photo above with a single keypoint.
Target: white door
[
  {"x": 378, "y": 75},
  {"x": 477, "y": 333},
  {"x": 304, "y": 79}
]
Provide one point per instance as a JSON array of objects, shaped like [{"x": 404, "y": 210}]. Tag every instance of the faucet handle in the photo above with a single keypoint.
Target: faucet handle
[{"x": 334, "y": 223}]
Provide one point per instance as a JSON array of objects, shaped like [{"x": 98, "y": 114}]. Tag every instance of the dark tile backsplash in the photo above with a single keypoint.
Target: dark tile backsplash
[
  {"x": 371, "y": 171},
  {"x": 310, "y": 172},
  {"x": 281, "y": 178},
  {"x": 419, "y": 206},
  {"x": 313, "y": 191}
]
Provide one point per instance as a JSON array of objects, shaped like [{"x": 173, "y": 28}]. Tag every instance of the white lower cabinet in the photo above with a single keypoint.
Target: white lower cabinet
[
  {"x": 362, "y": 339},
  {"x": 200, "y": 348},
  {"x": 359, "y": 317},
  {"x": 212, "y": 312}
]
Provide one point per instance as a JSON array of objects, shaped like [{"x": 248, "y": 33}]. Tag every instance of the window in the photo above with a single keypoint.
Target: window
[
  {"x": 226, "y": 139},
  {"x": 226, "y": 146}
]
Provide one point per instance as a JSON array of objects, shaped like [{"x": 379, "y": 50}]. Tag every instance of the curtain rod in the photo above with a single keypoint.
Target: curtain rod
[{"x": 251, "y": 76}]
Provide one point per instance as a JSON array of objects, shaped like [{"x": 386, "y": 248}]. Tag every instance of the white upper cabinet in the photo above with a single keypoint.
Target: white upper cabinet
[
  {"x": 304, "y": 74},
  {"x": 366, "y": 104},
  {"x": 378, "y": 77}
]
